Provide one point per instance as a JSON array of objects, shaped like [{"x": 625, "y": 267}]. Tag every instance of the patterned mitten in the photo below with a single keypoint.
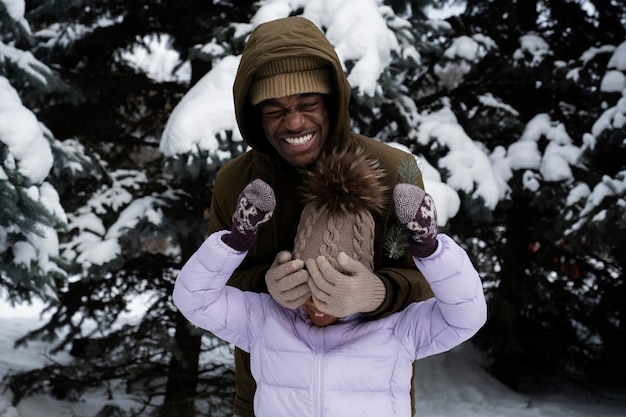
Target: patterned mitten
[
  {"x": 255, "y": 207},
  {"x": 416, "y": 210}
]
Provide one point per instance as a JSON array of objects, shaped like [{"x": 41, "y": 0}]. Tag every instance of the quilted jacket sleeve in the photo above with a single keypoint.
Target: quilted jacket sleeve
[
  {"x": 458, "y": 310},
  {"x": 201, "y": 294}
]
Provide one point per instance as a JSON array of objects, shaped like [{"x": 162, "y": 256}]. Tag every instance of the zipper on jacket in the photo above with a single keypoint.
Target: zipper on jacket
[{"x": 317, "y": 376}]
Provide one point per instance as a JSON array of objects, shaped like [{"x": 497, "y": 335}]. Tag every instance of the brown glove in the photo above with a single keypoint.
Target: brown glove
[
  {"x": 354, "y": 289},
  {"x": 287, "y": 281}
]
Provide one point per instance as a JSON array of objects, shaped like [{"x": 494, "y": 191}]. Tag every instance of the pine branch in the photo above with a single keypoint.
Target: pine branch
[
  {"x": 396, "y": 241},
  {"x": 409, "y": 171}
]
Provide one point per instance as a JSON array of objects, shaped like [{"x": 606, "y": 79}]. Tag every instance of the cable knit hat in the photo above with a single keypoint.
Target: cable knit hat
[
  {"x": 290, "y": 76},
  {"x": 341, "y": 194}
]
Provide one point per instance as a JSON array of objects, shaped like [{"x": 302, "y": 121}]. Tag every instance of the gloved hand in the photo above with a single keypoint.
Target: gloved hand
[
  {"x": 255, "y": 207},
  {"x": 354, "y": 289},
  {"x": 287, "y": 281},
  {"x": 416, "y": 210}
]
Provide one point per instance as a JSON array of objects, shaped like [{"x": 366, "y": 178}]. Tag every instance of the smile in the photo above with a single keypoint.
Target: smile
[
  {"x": 301, "y": 140},
  {"x": 321, "y": 315}
]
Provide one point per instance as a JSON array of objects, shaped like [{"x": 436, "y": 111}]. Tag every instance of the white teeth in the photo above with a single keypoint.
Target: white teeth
[
  {"x": 320, "y": 315},
  {"x": 299, "y": 140}
]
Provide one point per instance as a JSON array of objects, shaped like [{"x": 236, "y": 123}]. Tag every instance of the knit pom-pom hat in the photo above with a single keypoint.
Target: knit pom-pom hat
[
  {"x": 341, "y": 193},
  {"x": 289, "y": 76}
]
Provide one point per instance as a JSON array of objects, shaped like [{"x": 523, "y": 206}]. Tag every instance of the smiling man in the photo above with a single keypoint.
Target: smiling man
[
  {"x": 291, "y": 103},
  {"x": 296, "y": 126}
]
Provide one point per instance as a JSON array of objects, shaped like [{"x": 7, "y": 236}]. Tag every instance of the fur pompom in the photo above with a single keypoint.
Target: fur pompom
[{"x": 346, "y": 181}]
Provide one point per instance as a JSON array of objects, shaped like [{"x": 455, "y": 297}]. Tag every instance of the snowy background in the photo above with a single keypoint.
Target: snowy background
[
  {"x": 206, "y": 112},
  {"x": 451, "y": 384}
]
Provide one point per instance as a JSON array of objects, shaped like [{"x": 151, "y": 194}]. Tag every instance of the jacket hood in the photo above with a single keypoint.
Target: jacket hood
[{"x": 279, "y": 39}]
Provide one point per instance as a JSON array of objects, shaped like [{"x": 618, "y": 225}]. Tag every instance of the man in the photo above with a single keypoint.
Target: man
[{"x": 291, "y": 102}]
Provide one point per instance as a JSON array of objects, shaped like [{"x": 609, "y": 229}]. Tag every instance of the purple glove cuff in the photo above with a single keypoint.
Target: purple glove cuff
[{"x": 424, "y": 249}]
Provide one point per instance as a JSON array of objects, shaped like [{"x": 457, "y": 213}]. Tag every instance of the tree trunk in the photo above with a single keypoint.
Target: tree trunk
[
  {"x": 182, "y": 379},
  {"x": 509, "y": 300}
]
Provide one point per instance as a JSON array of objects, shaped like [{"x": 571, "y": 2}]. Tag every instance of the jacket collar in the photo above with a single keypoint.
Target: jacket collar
[{"x": 348, "y": 319}]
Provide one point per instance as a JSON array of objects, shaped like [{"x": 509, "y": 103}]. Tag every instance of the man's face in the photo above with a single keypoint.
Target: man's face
[{"x": 297, "y": 126}]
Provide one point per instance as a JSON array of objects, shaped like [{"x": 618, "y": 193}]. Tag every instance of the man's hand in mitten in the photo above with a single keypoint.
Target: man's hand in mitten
[
  {"x": 416, "y": 210},
  {"x": 287, "y": 281},
  {"x": 354, "y": 289},
  {"x": 255, "y": 206}
]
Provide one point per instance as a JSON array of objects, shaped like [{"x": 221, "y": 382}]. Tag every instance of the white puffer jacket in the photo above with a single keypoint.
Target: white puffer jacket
[{"x": 352, "y": 368}]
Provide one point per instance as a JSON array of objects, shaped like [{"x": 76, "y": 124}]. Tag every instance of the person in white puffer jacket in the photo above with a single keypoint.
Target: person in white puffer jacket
[{"x": 308, "y": 363}]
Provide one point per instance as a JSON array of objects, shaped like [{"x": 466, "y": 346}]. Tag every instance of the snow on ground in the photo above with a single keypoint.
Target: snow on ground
[{"x": 452, "y": 384}]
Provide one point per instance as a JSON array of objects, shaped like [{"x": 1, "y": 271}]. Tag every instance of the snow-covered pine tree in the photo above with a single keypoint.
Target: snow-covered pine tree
[
  {"x": 30, "y": 212},
  {"x": 128, "y": 229},
  {"x": 594, "y": 215},
  {"x": 534, "y": 88}
]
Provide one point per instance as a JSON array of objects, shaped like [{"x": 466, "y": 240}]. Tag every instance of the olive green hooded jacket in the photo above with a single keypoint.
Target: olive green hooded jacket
[{"x": 278, "y": 39}]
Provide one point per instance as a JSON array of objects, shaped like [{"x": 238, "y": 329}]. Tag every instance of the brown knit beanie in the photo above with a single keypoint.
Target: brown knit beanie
[
  {"x": 290, "y": 76},
  {"x": 341, "y": 194}
]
